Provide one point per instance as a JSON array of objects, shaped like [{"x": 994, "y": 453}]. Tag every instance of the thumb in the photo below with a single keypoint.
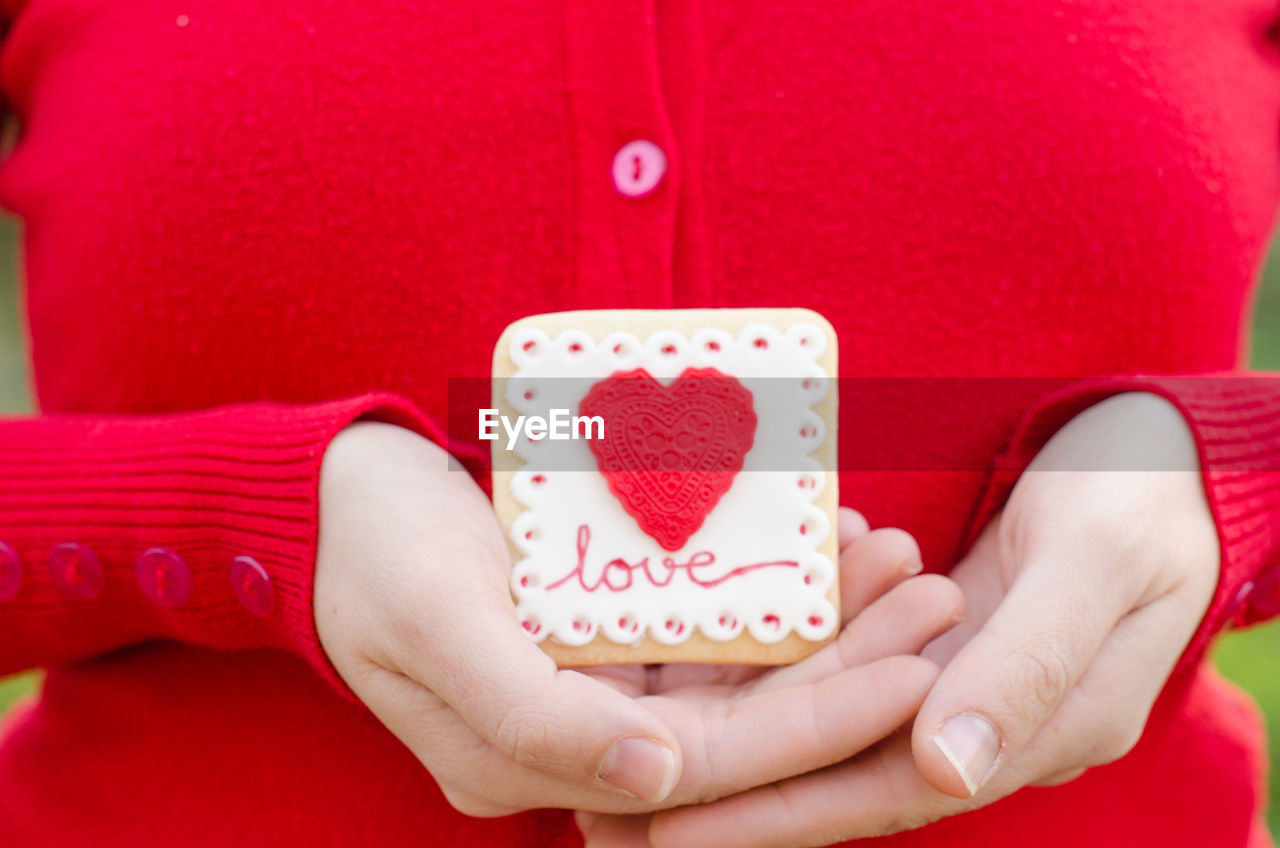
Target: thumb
[
  {"x": 559, "y": 722},
  {"x": 1009, "y": 679}
]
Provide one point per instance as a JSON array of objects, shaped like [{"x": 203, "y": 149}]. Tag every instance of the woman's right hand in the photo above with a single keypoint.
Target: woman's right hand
[{"x": 413, "y": 609}]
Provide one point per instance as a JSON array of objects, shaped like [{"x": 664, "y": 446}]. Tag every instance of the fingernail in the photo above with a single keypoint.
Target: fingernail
[
  {"x": 639, "y": 767},
  {"x": 971, "y": 745},
  {"x": 911, "y": 567}
]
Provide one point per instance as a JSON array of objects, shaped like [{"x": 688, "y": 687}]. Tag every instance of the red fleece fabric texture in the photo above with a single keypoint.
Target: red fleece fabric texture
[{"x": 249, "y": 224}]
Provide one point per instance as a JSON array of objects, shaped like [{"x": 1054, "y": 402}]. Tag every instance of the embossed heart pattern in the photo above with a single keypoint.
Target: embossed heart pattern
[{"x": 669, "y": 453}]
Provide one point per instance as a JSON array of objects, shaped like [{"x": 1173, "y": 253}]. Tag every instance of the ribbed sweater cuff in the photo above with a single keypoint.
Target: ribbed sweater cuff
[
  {"x": 1236, "y": 423},
  {"x": 207, "y": 487}
]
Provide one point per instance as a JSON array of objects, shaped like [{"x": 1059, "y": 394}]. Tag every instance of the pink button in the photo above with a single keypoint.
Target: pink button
[
  {"x": 76, "y": 570},
  {"x": 638, "y": 168},
  {"x": 252, "y": 585},
  {"x": 163, "y": 577},
  {"x": 10, "y": 573}
]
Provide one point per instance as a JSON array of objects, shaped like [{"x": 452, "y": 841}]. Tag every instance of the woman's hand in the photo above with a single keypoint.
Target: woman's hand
[
  {"x": 414, "y": 611},
  {"x": 1081, "y": 597},
  {"x": 413, "y": 608}
]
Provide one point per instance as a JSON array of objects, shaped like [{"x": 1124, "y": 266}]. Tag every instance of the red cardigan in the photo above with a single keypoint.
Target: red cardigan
[{"x": 243, "y": 217}]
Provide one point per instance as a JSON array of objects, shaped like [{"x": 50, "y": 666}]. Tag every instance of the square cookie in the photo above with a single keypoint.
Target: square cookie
[{"x": 666, "y": 483}]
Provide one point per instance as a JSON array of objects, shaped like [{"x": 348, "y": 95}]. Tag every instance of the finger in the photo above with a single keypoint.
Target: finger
[
  {"x": 1009, "y": 679},
  {"x": 873, "y": 564},
  {"x": 616, "y": 832},
  {"x": 877, "y": 793},
  {"x": 630, "y": 680},
  {"x": 479, "y": 780},
  {"x": 736, "y": 744},
  {"x": 467, "y": 647},
  {"x": 740, "y": 743},
  {"x": 850, "y": 526},
  {"x": 690, "y": 679},
  {"x": 906, "y": 619},
  {"x": 584, "y": 820}
]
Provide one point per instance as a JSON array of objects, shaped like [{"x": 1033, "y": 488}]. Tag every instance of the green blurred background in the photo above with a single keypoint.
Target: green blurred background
[{"x": 1250, "y": 658}]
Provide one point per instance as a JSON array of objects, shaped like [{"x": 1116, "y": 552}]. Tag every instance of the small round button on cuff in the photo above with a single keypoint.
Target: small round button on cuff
[
  {"x": 252, "y": 585},
  {"x": 163, "y": 577},
  {"x": 638, "y": 167},
  {"x": 10, "y": 573},
  {"x": 76, "y": 570}
]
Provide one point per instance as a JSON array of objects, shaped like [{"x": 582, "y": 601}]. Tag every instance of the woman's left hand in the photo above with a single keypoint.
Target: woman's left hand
[{"x": 1081, "y": 597}]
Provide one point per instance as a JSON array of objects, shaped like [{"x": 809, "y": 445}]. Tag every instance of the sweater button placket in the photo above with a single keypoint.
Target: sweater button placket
[{"x": 627, "y": 168}]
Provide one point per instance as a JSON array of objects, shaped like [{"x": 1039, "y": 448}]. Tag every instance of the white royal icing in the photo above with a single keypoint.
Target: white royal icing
[{"x": 759, "y": 519}]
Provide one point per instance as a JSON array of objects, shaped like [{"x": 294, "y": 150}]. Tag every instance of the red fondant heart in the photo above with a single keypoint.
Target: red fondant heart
[{"x": 670, "y": 453}]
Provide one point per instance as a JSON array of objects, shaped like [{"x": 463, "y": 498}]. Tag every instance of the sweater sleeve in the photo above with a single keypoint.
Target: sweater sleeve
[
  {"x": 199, "y": 527},
  {"x": 1235, "y": 419}
]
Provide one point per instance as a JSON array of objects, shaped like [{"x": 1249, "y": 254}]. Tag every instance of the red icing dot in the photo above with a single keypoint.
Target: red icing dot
[
  {"x": 761, "y": 343},
  {"x": 528, "y": 395},
  {"x": 577, "y": 625},
  {"x": 772, "y": 621},
  {"x": 669, "y": 349},
  {"x": 617, "y": 348},
  {"x": 575, "y": 348},
  {"x": 808, "y": 579},
  {"x": 528, "y": 534},
  {"x": 622, "y": 624},
  {"x": 804, "y": 528},
  {"x": 524, "y": 581},
  {"x": 713, "y": 345},
  {"x": 806, "y": 385},
  {"x": 671, "y": 625},
  {"x": 803, "y": 341},
  {"x": 815, "y": 621},
  {"x": 538, "y": 480},
  {"x": 528, "y": 346}
]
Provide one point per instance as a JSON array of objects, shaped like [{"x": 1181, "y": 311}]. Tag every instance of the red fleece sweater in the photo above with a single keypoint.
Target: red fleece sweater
[{"x": 244, "y": 217}]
